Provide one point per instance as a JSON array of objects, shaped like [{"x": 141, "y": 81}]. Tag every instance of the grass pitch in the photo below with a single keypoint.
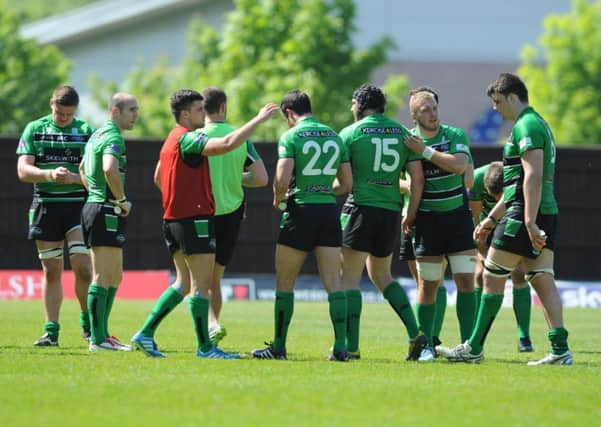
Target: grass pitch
[{"x": 68, "y": 386}]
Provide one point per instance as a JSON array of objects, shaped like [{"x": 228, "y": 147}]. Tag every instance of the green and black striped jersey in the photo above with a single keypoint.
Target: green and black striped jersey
[
  {"x": 443, "y": 191},
  {"x": 55, "y": 147}
]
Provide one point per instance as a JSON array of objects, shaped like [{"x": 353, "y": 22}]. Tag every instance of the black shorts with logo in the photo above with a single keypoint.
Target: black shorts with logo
[
  {"x": 227, "y": 229},
  {"x": 441, "y": 233},
  {"x": 50, "y": 222},
  {"x": 511, "y": 235},
  {"x": 194, "y": 235},
  {"x": 370, "y": 229},
  {"x": 304, "y": 227},
  {"x": 406, "y": 252},
  {"x": 102, "y": 226}
]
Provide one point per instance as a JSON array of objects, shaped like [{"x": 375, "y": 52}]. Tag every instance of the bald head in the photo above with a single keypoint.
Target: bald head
[
  {"x": 123, "y": 109},
  {"x": 119, "y": 99}
]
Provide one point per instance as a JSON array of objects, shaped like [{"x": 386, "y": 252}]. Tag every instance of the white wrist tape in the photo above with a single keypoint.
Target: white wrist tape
[{"x": 428, "y": 153}]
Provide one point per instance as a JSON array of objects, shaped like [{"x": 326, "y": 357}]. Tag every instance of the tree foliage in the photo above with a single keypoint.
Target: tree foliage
[
  {"x": 28, "y": 76},
  {"x": 266, "y": 48},
  {"x": 566, "y": 87}
]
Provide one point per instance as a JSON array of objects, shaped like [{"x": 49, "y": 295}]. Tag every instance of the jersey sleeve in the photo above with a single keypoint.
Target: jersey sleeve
[
  {"x": 25, "y": 145},
  {"x": 193, "y": 142},
  {"x": 252, "y": 155},
  {"x": 345, "y": 156},
  {"x": 460, "y": 144},
  {"x": 528, "y": 137},
  {"x": 286, "y": 146},
  {"x": 114, "y": 147}
]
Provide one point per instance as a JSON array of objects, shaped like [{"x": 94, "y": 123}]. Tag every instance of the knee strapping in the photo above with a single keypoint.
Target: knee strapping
[
  {"x": 532, "y": 275},
  {"x": 50, "y": 253},
  {"x": 462, "y": 264},
  {"x": 495, "y": 269},
  {"x": 78, "y": 247},
  {"x": 430, "y": 271}
]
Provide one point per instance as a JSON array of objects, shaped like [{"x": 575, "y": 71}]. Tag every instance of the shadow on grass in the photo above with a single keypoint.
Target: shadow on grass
[
  {"x": 52, "y": 351},
  {"x": 588, "y": 352}
]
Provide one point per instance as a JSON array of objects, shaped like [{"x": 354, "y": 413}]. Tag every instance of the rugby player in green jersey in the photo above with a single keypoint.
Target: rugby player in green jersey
[
  {"x": 371, "y": 216},
  {"x": 484, "y": 195},
  {"x": 49, "y": 151},
  {"x": 443, "y": 226},
  {"x": 407, "y": 253},
  {"x": 104, "y": 215},
  {"x": 526, "y": 224},
  {"x": 311, "y": 156},
  {"x": 229, "y": 173}
]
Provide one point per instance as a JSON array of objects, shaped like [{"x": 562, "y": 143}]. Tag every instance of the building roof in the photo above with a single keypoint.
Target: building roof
[{"x": 97, "y": 17}]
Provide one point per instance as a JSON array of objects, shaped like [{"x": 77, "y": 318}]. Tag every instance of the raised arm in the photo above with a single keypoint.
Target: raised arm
[{"x": 217, "y": 146}]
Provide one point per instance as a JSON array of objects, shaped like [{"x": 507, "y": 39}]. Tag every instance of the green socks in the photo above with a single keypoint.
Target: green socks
[
  {"x": 466, "y": 313},
  {"x": 559, "y": 340},
  {"x": 84, "y": 321},
  {"x": 397, "y": 298},
  {"x": 52, "y": 328},
  {"x": 522, "y": 306},
  {"x": 283, "y": 309},
  {"x": 478, "y": 295},
  {"x": 96, "y": 308},
  {"x": 199, "y": 309},
  {"x": 165, "y": 304},
  {"x": 425, "y": 317},
  {"x": 110, "y": 298},
  {"x": 440, "y": 307},
  {"x": 338, "y": 309},
  {"x": 354, "y": 305},
  {"x": 489, "y": 307}
]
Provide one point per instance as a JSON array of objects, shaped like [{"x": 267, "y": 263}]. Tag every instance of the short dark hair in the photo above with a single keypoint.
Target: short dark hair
[
  {"x": 182, "y": 100},
  {"x": 297, "y": 101},
  {"x": 214, "y": 98},
  {"x": 65, "y": 95},
  {"x": 493, "y": 178},
  {"x": 369, "y": 97},
  {"x": 424, "y": 89},
  {"x": 508, "y": 83}
]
